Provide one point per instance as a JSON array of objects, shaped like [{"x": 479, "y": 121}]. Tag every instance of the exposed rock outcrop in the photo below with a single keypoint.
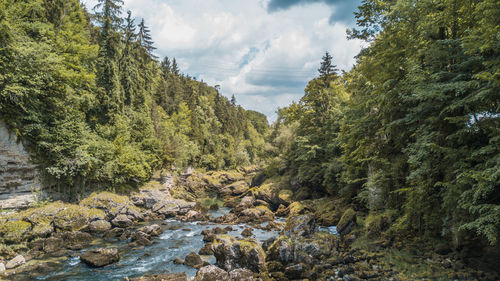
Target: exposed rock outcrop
[{"x": 100, "y": 257}]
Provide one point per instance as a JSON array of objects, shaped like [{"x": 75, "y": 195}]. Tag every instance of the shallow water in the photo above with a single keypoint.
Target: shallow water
[{"x": 177, "y": 241}]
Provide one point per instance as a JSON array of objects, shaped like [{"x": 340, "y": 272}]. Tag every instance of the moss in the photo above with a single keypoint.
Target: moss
[
  {"x": 285, "y": 196},
  {"x": 298, "y": 208},
  {"x": 104, "y": 199},
  {"x": 325, "y": 211},
  {"x": 348, "y": 217},
  {"x": 15, "y": 231}
]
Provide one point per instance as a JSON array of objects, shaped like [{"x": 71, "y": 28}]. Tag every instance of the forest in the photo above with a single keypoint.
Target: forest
[
  {"x": 412, "y": 132},
  {"x": 99, "y": 110}
]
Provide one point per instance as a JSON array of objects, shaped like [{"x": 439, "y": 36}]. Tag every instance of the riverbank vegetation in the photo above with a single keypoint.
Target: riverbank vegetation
[{"x": 410, "y": 134}]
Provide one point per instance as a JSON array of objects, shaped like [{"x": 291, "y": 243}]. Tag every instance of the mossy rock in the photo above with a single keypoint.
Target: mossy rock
[
  {"x": 74, "y": 217},
  {"x": 325, "y": 211},
  {"x": 285, "y": 196},
  {"x": 299, "y": 208},
  {"x": 15, "y": 231},
  {"x": 347, "y": 221}
]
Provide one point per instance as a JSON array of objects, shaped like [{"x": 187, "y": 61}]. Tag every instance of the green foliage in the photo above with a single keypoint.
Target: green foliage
[
  {"x": 96, "y": 108},
  {"x": 414, "y": 126}
]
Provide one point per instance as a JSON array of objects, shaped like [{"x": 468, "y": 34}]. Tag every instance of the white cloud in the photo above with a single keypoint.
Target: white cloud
[{"x": 264, "y": 59}]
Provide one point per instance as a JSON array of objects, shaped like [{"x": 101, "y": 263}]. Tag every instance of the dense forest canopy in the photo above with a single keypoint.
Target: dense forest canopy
[
  {"x": 413, "y": 130},
  {"x": 99, "y": 110}
]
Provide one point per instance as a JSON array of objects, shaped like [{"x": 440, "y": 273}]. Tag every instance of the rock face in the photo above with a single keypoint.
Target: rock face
[
  {"x": 211, "y": 273},
  {"x": 100, "y": 257},
  {"x": 17, "y": 174},
  {"x": 15, "y": 262},
  {"x": 232, "y": 254}
]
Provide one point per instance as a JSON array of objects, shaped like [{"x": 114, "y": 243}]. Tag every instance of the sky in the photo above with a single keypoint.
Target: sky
[{"x": 262, "y": 51}]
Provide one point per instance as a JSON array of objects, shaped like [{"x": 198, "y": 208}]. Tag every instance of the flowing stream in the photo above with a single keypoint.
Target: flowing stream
[{"x": 177, "y": 241}]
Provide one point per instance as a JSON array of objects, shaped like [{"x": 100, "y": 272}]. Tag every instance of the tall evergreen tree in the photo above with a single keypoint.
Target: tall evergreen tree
[
  {"x": 145, "y": 40},
  {"x": 109, "y": 45},
  {"x": 327, "y": 70}
]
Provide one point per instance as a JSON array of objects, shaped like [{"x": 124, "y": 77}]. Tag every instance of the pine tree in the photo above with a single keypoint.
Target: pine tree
[
  {"x": 109, "y": 45},
  {"x": 175, "y": 68},
  {"x": 165, "y": 67},
  {"x": 233, "y": 100},
  {"x": 145, "y": 40},
  {"x": 327, "y": 70}
]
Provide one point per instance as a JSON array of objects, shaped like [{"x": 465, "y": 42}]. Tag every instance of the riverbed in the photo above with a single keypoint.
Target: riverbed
[{"x": 177, "y": 241}]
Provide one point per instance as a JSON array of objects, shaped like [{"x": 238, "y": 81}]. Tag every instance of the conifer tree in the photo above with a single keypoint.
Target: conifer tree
[
  {"x": 145, "y": 40},
  {"x": 327, "y": 69}
]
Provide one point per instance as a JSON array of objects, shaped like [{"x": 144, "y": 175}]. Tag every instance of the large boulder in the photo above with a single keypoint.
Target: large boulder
[
  {"x": 75, "y": 240},
  {"x": 153, "y": 230},
  {"x": 100, "y": 257},
  {"x": 140, "y": 238},
  {"x": 241, "y": 274},
  {"x": 211, "y": 273},
  {"x": 257, "y": 214},
  {"x": 347, "y": 222},
  {"x": 235, "y": 189},
  {"x": 112, "y": 204},
  {"x": 148, "y": 197},
  {"x": 300, "y": 226},
  {"x": 232, "y": 254},
  {"x": 173, "y": 207},
  {"x": 282, "y": 250},
  {"x": 2, "y": 267},
  {"x": 99, "y": 226},
  {"x": 193, "y": 260},
  {"x": 122, "y": 221},
  {"x": 15, "y": 262},
  {"x": 162, "y": 277},
  {"x": 15, "y": 231}
]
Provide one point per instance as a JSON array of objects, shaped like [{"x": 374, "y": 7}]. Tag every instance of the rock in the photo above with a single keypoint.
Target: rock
[
  {"x": 214, "y": 207},
  {"x": 152, "y": 193},
  {"x": 100, "y": 257},
  {"x": 115, "y": 232},
  {"x": 347, "y": 222},
  {"x": 15, "y": 231},
  {"x": 53, "y": 244},
  {"x": 153, "y": 230},
  {"x": 188, "y": 171},
  {"x": 42, "y": 230},
  {"x": 140, "y": 238},
  {"x": 206, "y": 250},
  {"x": 193, "y": 260},
  {"x": 162, "y": 277},
  {"x": 194, "y": 216},
  {"x": 257, "y": 215},
  {"x": 2, "y": 267},
  {"x": 122, "y": 221},
  {"x": 247, "y": 232},
  {"x": 173, "y": 207},
  {"x": 235, "y": 189},
  {"x": 297, "y": 271},
  {"x": 211, "y": 273},
  {"x": 232, "y": 254},
  {"x": 75, "y": 240},
  {"x": 285, "y": 197},
  {"x": 281, "y": 250},
  {"x": 300, "y": 226},
  {"x": 241, "y": 274},
  {"x": 99, "y": 226},
  {"x": 15, "y": 262},
  {"x": 112, "y": 204},
  {"x": 73, "y": 218},
  {"x": 282, "y": 211}
]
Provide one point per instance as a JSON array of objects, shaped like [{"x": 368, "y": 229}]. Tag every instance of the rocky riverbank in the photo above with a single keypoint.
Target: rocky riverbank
[{"x": 306, "y": 245}]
